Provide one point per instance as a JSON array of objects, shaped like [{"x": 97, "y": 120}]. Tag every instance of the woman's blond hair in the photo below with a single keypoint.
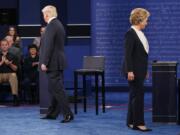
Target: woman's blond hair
[{"x": 138, "y": 15}]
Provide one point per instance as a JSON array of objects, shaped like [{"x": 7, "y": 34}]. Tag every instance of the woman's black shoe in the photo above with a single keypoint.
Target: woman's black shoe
[
  {"x": 130, "y": 126},
  {"x": 143, "y": 130},
  {"x": 68, "y": 118}
]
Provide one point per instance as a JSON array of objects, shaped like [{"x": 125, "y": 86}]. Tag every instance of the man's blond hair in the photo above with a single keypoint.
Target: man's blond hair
[{"x": 50, "y": 10}]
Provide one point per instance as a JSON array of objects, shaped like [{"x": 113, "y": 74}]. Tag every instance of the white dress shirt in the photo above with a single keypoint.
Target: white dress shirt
[{"x": 142, "y": 38}]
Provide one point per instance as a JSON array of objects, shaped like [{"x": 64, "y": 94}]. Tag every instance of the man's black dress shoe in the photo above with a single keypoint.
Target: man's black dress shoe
[
  {"x": 68, "y": 118},
  {"x": 49, "y": 118},
  {"x": 143, "y": 130}
]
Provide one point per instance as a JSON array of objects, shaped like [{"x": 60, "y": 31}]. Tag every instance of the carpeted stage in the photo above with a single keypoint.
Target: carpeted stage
[{"x": 25, "y": 120}]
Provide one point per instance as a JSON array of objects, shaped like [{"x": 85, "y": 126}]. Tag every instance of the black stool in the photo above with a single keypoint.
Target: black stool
[
  {"x": 178, "y": 120},
  {"x": 92, "y": 66}
]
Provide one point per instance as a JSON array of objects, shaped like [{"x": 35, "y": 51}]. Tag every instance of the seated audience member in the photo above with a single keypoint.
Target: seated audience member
[
  {"x": 16, "y": 52},
  {"x": 13, "y": 49},
  {"x": 31, "y": 74},
  {"x": 8, "y": 68},
  {"x": 31, "y": 63},
  {"x": 16, "y": 39},
  {"x": 37, "y": 40}
]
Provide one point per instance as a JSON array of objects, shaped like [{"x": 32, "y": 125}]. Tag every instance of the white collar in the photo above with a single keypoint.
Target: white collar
[
  {"x": 133, "y": 27},
  {"x": 50, "y": 19}
]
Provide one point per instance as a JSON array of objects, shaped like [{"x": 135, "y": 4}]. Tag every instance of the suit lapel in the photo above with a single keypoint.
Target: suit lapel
[{"x": 139, "y": 41}]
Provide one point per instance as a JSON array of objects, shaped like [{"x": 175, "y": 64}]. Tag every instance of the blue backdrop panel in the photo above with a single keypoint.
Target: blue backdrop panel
[
  {"x": 74, "y": 55},
  {"x": 78, "y": 11},
  {"x": 110, "y": 21},
  {"x": 29, "y": 12}
]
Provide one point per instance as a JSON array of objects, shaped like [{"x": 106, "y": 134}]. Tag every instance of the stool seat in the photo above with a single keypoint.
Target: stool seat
[
  {"x": 88, "y": 71},
  {"x": 93, "y": 66}
]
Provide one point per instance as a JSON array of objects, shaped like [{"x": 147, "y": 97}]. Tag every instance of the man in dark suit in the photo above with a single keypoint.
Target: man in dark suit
[
  {"x": 52, "y": 61},
  {"x": 135, "y": 68}
]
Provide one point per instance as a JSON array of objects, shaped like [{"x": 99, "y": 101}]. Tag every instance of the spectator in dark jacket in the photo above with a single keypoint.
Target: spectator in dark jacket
[
  {"x": 31, "y": 63},
  {"x": 31, "y": 74}
]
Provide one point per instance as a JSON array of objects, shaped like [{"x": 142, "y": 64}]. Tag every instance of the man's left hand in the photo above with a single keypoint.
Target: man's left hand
[{"x": 43, "y": 67}]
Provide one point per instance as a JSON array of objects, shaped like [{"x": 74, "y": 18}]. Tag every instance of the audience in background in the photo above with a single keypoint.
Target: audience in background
[
  {"x": 8, "y": 68},
  {"x": 37, "y": 40},
  {"x": 18, "y": 53},
  {"x": 16, "y": 39},
  {"x": 13, "y": 62},
  {"x": 31, "y": 62},
  {"x": 13, "y": 49}
]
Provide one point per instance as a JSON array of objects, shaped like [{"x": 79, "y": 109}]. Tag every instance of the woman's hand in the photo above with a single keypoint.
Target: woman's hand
[{"x": 130, "y": 76}]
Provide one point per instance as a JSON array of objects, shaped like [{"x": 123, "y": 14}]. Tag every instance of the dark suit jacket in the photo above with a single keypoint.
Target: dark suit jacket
[
  {"x": 52, "y": 46},
  {"x": 136, "y": 58}
]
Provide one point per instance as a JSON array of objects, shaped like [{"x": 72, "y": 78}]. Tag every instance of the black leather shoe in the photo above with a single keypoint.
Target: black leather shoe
[
  {"x": 49, "y": 117},
  {"x": 67, "y": 119},
  {"x": 143, "y": 130},
  {"x": 130, "y": 126}
]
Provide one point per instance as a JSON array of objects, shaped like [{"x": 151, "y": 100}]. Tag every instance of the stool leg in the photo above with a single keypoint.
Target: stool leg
[
  {"x": 103, "y": 93},
  {"x": 96, "y": 90},
  {"x": 84, "y": 91},
  {"x": 178, "y": 122},
  {"x": 75, "y": 91}
]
